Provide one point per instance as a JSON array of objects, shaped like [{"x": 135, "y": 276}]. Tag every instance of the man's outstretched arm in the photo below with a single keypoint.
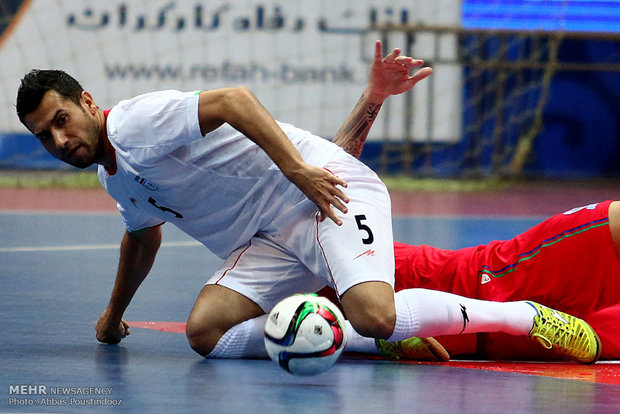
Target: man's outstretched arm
[
  {"x": 239, "y": 108},
  {"x": 389, "y": 75},
  {"x": 138, "y": 251}
]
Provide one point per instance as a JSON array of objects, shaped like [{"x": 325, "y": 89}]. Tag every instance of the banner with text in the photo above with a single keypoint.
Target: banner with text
[{"x": 306, "y": 60}]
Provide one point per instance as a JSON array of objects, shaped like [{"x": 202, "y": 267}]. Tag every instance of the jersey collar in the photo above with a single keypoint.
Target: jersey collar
[{"x": 112, "y": 170}]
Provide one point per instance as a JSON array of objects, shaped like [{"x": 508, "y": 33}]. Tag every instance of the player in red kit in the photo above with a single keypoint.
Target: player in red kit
[{"x": 568, "y": 262}]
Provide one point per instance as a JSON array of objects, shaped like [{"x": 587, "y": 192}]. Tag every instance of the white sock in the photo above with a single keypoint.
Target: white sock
[
  {"x": 245, "y": 340},
  {"x": 423, "y": 313},
  {"x": 357, "y": 342},
  {"x": 419, "y": 312}
]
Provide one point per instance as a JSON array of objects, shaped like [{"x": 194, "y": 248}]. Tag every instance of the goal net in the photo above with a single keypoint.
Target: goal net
[{"x": 505, "y": 83}]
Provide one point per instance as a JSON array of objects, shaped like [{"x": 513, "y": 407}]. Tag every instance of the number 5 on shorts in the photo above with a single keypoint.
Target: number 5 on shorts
[{"x": 369, "y": 236}]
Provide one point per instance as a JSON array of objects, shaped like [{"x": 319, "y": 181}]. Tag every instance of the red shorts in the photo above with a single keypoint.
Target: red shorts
[{"x": 567, "y": 262}]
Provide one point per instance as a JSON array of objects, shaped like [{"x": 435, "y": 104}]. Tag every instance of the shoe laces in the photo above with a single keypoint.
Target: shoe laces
[{"x": 551, "y": 331}]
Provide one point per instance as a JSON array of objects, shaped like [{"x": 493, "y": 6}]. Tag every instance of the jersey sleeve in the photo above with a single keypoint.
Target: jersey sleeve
[
  {"x": 135, "y": 222},
  {"x": 152, "y": 125}
]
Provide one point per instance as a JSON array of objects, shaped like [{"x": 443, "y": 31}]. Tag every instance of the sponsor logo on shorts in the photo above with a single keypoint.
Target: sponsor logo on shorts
[
  {"x": 368, "y": 252},
  {"x": 485, "y": 279}
]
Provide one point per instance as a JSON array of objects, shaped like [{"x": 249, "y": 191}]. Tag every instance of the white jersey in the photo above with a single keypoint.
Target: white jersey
[{"x": 220, "y": 189}]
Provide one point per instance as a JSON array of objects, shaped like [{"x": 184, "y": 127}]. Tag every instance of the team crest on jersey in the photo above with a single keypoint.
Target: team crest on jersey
[{"x": 146, "y": 183}]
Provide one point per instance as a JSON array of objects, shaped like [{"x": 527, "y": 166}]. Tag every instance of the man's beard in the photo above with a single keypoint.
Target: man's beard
[{"x": 93, "y": 130}]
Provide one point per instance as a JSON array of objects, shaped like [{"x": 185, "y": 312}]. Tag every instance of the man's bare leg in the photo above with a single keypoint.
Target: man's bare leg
[{"x": 216, "y": 310}]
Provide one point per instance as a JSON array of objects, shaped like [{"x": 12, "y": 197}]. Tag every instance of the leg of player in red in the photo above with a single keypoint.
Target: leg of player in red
[{"x": 568, "y": 262}]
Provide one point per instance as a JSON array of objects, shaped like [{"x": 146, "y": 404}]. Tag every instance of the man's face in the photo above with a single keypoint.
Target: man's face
[{"x": 68, "y": 131}]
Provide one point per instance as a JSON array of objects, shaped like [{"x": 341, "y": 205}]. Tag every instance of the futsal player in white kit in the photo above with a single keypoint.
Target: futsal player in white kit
[{"x": 256, "y": 193}]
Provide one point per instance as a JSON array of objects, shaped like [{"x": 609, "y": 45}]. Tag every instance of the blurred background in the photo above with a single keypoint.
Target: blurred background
[{"x": 521, "y": 88}]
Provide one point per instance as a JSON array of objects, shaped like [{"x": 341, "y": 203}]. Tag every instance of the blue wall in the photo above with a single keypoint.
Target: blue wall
[
  {"x": 582, "y": 118},
  {"x": 23, "y": 151}
]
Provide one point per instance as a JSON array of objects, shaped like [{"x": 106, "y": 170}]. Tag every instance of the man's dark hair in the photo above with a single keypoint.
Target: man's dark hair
[{"x": 37, "y": 82}]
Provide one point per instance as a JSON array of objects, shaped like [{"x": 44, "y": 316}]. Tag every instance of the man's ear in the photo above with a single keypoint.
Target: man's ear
[{"x": 89, "y": 101}]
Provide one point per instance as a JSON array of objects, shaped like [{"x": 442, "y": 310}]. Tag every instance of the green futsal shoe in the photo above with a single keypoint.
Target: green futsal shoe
[
  {"x": 569, "y": 336},
  {"x": 413, "y": 349}
]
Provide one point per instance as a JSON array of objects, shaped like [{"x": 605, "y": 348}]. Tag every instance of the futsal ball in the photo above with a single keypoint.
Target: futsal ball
[{"x": 305, "y": 334}]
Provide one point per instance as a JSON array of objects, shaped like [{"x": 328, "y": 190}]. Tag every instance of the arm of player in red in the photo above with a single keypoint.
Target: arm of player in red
[{"x": 389, "y": 75}]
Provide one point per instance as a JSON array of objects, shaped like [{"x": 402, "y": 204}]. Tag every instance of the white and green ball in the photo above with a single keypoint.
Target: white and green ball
[{"x": 305, "y": 334}]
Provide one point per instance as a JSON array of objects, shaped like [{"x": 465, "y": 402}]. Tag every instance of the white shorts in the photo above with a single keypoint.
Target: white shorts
[{"x": 298, "y": 253}]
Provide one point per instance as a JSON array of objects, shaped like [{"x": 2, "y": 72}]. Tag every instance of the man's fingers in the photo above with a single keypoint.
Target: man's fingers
[
  {"x": 333, "y": 197},
  {"x": 108, "y": 339},
  {"x": 126, "y": 330},
  {"x": 421, "y": 74},
  {"x": 408, "y": 62},
  {"x": 378, "y": 51},
  {"x": 333, "y": 200},
  {"x": 337, "y": 181},
  {"x": 391, "y": 58},
  {"x": 341, "y": 196},
  {"x": 336, "y": 192},
  {"x": 114, "y": 337},
  {"x": 404, "y": 60},
  {"x": 338, "y": 204},
  {"x": 329, "y": 212}
]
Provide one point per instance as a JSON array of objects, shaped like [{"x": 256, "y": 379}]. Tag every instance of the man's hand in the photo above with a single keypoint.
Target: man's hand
[
  {"x": 110, "y": 332},
  {"x": 319, "y": 185},
  {"x": 239, "y": 108},
  {"x": 390, "y": 75}
]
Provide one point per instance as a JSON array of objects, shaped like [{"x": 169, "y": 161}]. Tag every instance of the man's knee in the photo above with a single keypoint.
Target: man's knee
[
  {"x": 217, "y": 309},
  {"x": 374, "y": 323},
  {"x": 200, "y": 343},
  {"x": 200, "y": 338},
  {"x": 370, "y": 309}
]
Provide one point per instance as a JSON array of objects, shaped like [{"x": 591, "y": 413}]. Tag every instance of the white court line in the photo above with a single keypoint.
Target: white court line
[{"x": 87, "y": 247}]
